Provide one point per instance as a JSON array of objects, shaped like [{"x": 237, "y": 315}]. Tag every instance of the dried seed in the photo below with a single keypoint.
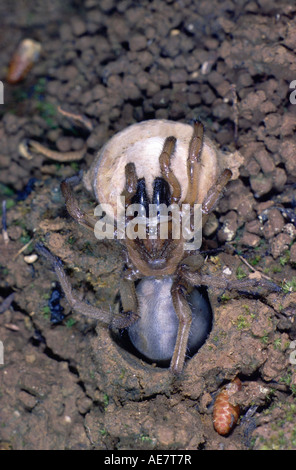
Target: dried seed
[
  {"x": 30, "y": 259},
  {"x": 76, "y": 155},
  {"x": 23, "y": 60}
]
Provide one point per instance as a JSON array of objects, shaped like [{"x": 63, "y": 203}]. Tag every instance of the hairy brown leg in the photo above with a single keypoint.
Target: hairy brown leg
[
  {"x": 185, "y": 318},
  {"x": 129, "y": 304},
  {"x": 165, "y": 168},
  {"x": 131, "y": 182},
  {"x": 127, "y": 286},
  {"x": 247, "y": 285},
  {"x": 214, "y": 194},
  {"x": 76, "y": 304},
  {"x": 72, "y": 204},
  {"x": 194, "y": 162},
  {"x": 102, "y": 315}
]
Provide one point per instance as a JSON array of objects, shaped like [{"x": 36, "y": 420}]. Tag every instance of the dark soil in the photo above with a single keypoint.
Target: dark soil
[{"x": 65, "y": 383}]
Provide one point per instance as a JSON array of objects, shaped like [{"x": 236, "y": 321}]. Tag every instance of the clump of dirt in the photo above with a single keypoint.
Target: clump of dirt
[{"x": 66, "y": 383}]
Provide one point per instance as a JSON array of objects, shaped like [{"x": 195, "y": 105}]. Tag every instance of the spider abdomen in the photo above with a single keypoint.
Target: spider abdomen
[{"x": 154, "y": 334}]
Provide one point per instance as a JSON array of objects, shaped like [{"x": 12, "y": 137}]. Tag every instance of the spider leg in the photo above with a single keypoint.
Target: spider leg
[
  {"x": 76, "y": 304},
  {"x": 131, "y": 182},
  {"x": 246, "y": 286},
  {"x": 194, "y": 163},
  {"x": 129, "y": 304},
  {"x": 165, "y": 168},
  {"x": 72, "y": 204},
  {"x": 214, "y": 194},
  {"x": 184, "y": 315}
]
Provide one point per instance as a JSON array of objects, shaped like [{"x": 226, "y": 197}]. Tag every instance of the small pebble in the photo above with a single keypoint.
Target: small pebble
[
  {"x": 30, "y": 259},
  {"x": 227, "y": 271}
]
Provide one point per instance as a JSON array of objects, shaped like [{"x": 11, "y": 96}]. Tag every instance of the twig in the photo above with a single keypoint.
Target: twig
[
  {"x": 255, "y": 270},
  {"x": 22, "y": 249},
  {"x": 4, "y": 224},
  {"x": 76, "y": 155},
  {"x": 77, "y": 117}
]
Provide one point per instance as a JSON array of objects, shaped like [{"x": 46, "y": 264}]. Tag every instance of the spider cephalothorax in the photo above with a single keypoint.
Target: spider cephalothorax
[{"x": 156, "y": 163}]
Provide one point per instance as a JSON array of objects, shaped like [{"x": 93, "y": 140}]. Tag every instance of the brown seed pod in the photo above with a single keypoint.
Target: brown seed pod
[
  {"x": 225, "y": 415},
  {"x": 23, "y": 60}
]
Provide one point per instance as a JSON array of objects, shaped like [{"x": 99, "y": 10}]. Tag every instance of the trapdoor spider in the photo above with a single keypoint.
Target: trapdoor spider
[{"x": 161, "y": 306}]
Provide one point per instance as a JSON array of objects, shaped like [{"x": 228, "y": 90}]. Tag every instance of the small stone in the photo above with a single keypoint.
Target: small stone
[
  {"x": 211, "y": 225},
  {"x": 28, "y": 400},
  {"x": 206, "y": 67},
  {"x": 77, "y": 144},
  {"x": 254, "y": 226},
  {"x": 65, "y": 32},
  {"x": 15, "y": 232},
  {"x": 162, "y": 98},
  {"x": 145, "y": 59},
  {"x": 272, "y": 123},
  {"x": 262, "y": 206},
  {"x": 30, "y": 259},
  {"x": 64, "y": 144},
  {"x": 289, "y": 124},
  {"x": 253, "y": 167},
  {"x": 227, "y": 271},
  {"x": 279, "y": 179},
  {"x": 290, "y": 229},
  {"x": 137, "y": 42},
  {"x": 228, "y": 231},
  {"x": 280, "y": 244},
  {"x": 78, "y": 26},
  {"x": 84, "y": 405},
  {"x": 265, "y": 161},
  {"x": 30, "y": 358},
  {"x": 130, "y": 89},
  {"x": 288, "y": 152},
  {"x": 245, "y": 209},
  {"x": 223, "y": 88},
  {"x": 178, "y": 76},
  {"x": 250, "y": 239},
  {"x": 251, "y": 103},
  {"x": 261, "y": 184},
  {"x": 244, "y": 80},
  {"x": 274, "y": 225}
]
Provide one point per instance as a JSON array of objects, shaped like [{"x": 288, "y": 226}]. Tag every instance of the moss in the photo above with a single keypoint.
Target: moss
[
  {"x": 283, "y": 435},
  {"x": 46, "y": 311},
  {"x": 6, "y": 190},
  {"x": 277, "y": 343},
  {"x": 285, "y": 259},
  {"x": 265, "y": 339},
  {"x": 256, "y": 260},
  {"x": 106, "y": 400},
  {"x": 242, "y": 323},
  {"x": 70, "y": 322},
  {"x": 225, "y": 297},
  {"x": 289, "y": 286},
  {"x": 240, "y": 273}
]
